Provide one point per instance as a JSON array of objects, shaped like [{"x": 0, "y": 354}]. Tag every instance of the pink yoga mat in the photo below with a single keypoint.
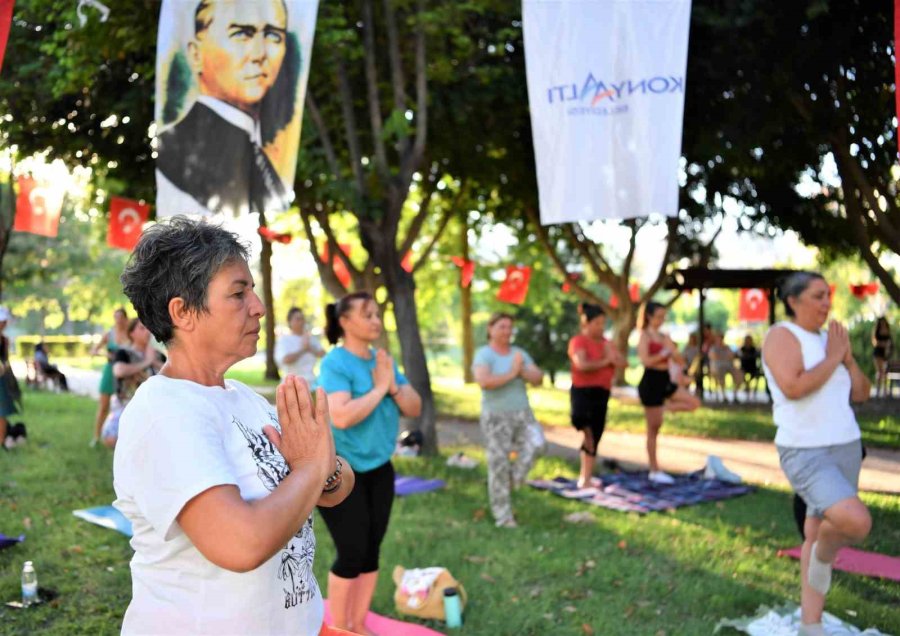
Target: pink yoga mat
[
  {"x": 384, "y": 625},
  {"x": 860, "y": 562}
]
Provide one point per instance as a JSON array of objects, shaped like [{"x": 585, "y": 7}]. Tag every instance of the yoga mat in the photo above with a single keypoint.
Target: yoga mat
[
  {"x": 411, "y": 485},
  {"x": 107, "y": 517},
  {"x": 389, "y": 626},
  {"x": 6, "y": 542},
  {"x": 855, "y": 561},
  {"x": 633, "y": 492},
  {"x": 785, "y": 620}
]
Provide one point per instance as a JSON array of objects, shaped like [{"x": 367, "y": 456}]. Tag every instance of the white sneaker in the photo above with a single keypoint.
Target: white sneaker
[{"x": 659, "y": 477}]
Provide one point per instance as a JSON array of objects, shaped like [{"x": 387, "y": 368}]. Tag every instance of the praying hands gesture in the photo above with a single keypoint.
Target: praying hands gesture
[{"x": 305, "y": 437}]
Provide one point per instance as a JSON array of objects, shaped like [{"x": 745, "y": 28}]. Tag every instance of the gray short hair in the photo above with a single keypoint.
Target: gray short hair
[
  {"x": 177, "y": 259},
  {"x": 793, "y": 285}
]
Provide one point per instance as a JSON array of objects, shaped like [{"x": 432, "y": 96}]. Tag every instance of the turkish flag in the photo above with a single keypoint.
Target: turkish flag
[
  {"x": 467, "y": 270},
  {"x": 274, "y": 237},
  {"x": 340, "y": 270},
  {"x": 126, "y": 222},
  {"x": 407, "y": 263},
  {"x": 570, "y": 278},
  {"x": 754, "y": 305},
  {"x": 864, "y": 289},
  {"x": 515, "y": 288},
  {"x": 6, "y": 7},
  {"x": 38, "y": 207},
  {"x": 634, "y": 293}
]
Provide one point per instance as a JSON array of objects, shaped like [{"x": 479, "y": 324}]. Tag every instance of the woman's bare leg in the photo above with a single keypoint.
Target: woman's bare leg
[
  {"x": 654, "y": 416},
  {"x": 102, "y": 412}
]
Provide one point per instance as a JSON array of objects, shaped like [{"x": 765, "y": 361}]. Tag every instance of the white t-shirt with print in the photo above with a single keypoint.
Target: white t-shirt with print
[
  {"x": 302, "y": 367},
  {"x": 176, "y": 440}
]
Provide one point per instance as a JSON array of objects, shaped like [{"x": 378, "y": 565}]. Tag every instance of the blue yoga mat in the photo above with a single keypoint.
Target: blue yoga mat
[
  {"x": 411, "y": 485},
  {"x": 6, "y": 542},
  {"x": 107, "y": 517}
]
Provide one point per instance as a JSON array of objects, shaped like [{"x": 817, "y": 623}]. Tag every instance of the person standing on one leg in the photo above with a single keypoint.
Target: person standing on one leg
[
  {"x": 367, "y": 394},
  {"x": 656, "y": 390},
  {"x": 813, "y": 378},
  {"x": 594, "y": 361},
  {"x": 501, "y": 371}
]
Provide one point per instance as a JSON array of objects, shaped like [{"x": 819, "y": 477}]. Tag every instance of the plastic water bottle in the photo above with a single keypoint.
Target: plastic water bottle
[
  {"x": 452, "y": 607},
  {"x": 29, "y": 585}
]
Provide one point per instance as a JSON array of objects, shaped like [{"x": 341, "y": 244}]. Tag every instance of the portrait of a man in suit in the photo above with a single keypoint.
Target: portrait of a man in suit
[{"x": 243, "y": 67}]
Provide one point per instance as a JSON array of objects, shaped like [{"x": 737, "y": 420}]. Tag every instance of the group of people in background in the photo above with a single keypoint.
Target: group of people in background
[{"x": 240, "y": 477}]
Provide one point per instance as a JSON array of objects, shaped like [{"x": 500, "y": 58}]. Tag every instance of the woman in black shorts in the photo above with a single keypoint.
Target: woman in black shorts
[
  {"x": 882, "y": 349},
  {"x": 656, "y": 390},
  {"x": 594, "y": 361}
]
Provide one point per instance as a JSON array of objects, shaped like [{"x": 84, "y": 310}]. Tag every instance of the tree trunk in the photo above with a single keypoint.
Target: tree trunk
[
  {"x": 465, "y": 294},
  {"x": 414, "y": 362},
  {"x": 265, "y": 266},
  {"x": 623, "y": 325}
]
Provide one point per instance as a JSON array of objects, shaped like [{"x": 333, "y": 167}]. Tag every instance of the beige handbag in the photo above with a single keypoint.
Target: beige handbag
[{"x": 420, "y": 592}]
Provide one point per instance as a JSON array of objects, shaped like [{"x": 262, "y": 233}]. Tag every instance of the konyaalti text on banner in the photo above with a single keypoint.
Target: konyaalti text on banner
[{"x": 606, "y": 81}]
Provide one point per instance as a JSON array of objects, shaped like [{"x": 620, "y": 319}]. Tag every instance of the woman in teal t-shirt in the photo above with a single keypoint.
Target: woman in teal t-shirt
[
  {"x": 367, "y": 394},
  {"x": 507, "y": 422}
]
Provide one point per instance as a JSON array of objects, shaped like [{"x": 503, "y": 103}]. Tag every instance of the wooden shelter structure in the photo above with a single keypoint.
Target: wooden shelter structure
[{"x": 702, "y": 278}]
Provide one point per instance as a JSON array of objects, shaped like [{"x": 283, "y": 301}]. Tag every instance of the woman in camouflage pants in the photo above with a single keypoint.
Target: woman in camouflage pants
[{"x": 507, "y": 423}]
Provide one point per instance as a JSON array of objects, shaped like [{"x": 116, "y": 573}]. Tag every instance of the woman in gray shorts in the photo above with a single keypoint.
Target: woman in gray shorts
[{"x": 813, "y": 377}]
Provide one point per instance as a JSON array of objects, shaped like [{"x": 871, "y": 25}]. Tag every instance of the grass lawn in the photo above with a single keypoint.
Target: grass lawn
[
  {"x": 675, "y": 573},
  {"x": 751, "y": 422}
]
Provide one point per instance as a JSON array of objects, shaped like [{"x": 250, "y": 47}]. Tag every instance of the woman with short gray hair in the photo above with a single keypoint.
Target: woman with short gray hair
[
  {"x": 813, "y": 378},
  {"x": 218, "y": 486}
]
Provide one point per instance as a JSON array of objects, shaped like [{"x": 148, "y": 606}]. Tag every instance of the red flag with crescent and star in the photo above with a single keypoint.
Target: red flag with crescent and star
[
  {"x": 37, "y": 207},
  {"x": 754, "y": 305},
  {"x": 467, "y": 270},
  {"x": 6, "y": 10},
  {"x": 515, "y": 288},
  {"x": 126, "y": 222},
  {"x": 340, "y": 270}
]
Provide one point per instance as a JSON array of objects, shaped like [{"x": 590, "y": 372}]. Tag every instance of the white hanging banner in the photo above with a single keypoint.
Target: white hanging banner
[
  {"x": 606, "y": 91},
  {"x": 230, "y": 82}
]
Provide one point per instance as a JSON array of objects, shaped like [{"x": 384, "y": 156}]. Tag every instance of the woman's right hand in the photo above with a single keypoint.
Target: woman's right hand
[
  {"x": 383, "y": 373},
  {"x": 838, "y": 341},
  {"x": 305, "y": 431}
]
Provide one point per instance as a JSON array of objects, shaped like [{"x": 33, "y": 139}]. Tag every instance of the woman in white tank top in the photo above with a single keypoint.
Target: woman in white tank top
[{"x": 813, "y": 377}]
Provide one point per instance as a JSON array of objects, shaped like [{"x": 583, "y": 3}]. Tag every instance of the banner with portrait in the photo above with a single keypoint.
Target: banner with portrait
[
  {"x": 606, "y": 95},
  {"x": 231, "y": 77}
]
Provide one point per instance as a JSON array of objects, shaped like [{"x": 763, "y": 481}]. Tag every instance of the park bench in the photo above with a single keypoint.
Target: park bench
[{"x": 892, "y": 376}]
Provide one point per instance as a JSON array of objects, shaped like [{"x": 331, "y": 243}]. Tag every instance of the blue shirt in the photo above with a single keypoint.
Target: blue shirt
[
  {"x": 512, "y": 396},
  {"x": 370, "y": 443}
]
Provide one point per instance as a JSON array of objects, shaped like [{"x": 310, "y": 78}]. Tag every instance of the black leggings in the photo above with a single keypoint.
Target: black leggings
[
  {"x": 358, "y": 524},
  {"x": 589, "y": 405}
]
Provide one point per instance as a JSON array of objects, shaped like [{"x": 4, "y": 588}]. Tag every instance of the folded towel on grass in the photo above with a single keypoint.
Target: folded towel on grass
[{"x": 785, "y": 621}]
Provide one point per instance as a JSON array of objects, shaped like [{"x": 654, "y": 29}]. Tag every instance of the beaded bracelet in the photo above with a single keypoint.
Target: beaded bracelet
[{"x": 334, "y": 479}]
